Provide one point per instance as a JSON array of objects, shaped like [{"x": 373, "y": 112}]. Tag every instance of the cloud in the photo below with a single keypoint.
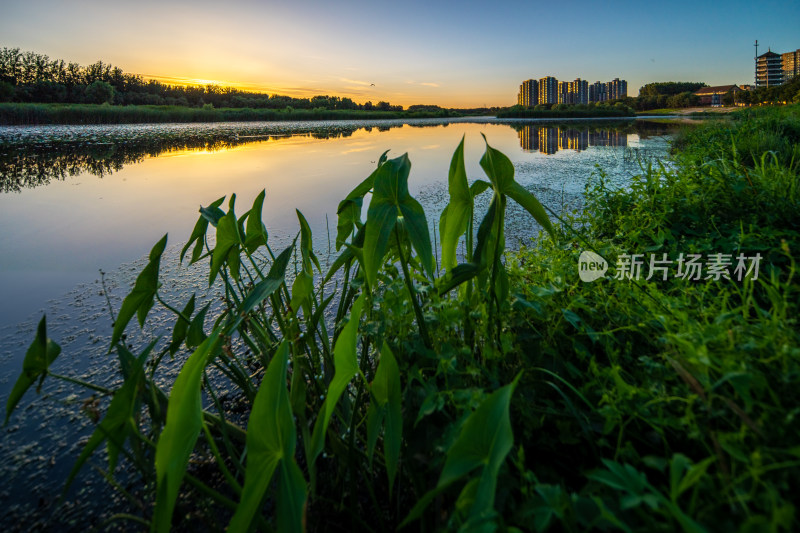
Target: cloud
[
  {"x": 425, "y": 83},
  {"x": 357, "y": 82}
]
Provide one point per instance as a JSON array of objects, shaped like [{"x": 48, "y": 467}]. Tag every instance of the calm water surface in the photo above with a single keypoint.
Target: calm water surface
[{"x": 74, "y": 200}]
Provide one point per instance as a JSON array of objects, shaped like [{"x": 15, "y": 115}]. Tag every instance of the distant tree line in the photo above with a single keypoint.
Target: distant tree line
[
  {"x": 616, "y": 108},
  {"x": 672, "y": 94},
  {"x": 32, "y": 77},
  {"x": 778, "y": 94}
]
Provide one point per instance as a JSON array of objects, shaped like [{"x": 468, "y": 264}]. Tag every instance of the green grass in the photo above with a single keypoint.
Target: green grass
[
  {"x": 661, "y": 111},
  {"x": 489, "y": 394},
  {"x": 24, "y": 114}
]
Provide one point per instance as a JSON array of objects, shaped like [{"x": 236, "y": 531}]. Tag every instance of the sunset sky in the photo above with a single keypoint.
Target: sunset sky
[{"x": 453, "y": 54}]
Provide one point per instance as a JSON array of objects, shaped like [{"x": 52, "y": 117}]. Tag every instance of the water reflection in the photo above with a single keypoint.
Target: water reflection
[
  {"x": 548, "y": 139},
  {"x": 34, "y": 157},
  {"x": 29, "y": 166}
]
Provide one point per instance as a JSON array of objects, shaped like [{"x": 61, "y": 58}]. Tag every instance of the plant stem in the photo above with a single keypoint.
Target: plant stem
[{"x": 423, "y": 328}]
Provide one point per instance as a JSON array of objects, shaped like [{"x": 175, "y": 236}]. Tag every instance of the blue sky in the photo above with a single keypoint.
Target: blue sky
[{"x": 447, "y": 53}]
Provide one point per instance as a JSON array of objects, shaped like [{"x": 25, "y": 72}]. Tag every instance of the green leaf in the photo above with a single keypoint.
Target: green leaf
[
  {"x": 417, "y": 227},
  {"x": 256, "y": 234},
  {"x": 478, "y": 187},
  {"x": 457, "y": 276},
  {"x": 387, "y": 403},
  {"x": 271, "y": 439},
  {"x": 40, "y": 354},
  {"x": 196, "y": 335},
  {"x": 181, "y": 326},
  {"x": 184, "y": 421},
  {"x": 227, "y": 244},
  {"x": 528, "y": 201},
  {"x": 680, "y": 483},
  {"x": 456, "y": 216},
  {"x": 345, "y": 362},
  {"x": 390, "y": 199},
  {"x": 213, "y": 213},
  {"x": 306, "y": 244},
  {"x": 118, "y": 423},
  {"x": 140, "y": 299},
  {"x": 491, "y": 237},
  {"x": 349, "y": 217},
  {"x": 484, "y": 441},
  {"x": 349, "y": 210},
  {"x": 302, "y": 289},
  {"x": 292, "y": 494},
  {"x": 498, "y": 167},
  {"x": 200, "y": 228},
  {"x": 275, "y": 278}
]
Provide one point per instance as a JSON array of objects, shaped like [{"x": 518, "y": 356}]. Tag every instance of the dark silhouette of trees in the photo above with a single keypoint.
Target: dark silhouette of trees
[
  {"x": 99, "y": 92},
  {"x": 36, "y": 78}
]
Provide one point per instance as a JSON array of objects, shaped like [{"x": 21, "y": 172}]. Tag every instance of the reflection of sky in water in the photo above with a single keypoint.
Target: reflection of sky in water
[{"x": 56, "y": 236}]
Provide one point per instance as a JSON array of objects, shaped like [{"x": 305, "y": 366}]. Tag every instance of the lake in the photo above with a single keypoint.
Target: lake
[{"x": 75, "y": 200}]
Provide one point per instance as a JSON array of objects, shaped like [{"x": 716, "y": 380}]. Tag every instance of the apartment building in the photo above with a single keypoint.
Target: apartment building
[
  {"x": 549, "y": 90},
  {"x": 790, "y": 61},
  {"x": 528, "y": 93}
]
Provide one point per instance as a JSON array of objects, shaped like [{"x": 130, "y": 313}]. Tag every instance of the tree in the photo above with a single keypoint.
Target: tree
[{"x": 99, "y": 92}]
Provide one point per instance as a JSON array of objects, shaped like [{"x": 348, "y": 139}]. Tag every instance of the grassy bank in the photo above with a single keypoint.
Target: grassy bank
[
  {"x": 491, "y": 394},
  {"x": 567, "y": 111},
  {"x": 34, "y": 114}
]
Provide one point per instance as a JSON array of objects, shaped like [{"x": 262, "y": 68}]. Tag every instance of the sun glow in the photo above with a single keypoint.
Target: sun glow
[{"x": 203, "y": 82}]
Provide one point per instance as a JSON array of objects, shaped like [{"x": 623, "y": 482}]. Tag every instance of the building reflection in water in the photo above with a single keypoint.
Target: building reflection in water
[{"x": 549, "y": 140}]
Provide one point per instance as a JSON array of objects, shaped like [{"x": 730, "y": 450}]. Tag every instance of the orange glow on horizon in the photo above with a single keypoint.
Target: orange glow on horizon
[{"x": 256, "y": 88}]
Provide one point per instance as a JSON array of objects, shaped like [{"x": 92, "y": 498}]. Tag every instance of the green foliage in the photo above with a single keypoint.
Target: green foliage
[
  {"x": 41, "y": 353},
  {"x": 99, "y": 92},
  {"x": 140, "y": 300},
  {"x": 670, "y": 88},
  {"x": 183, "y": 423},
  {"x": 525, "y": 399},
  {"x": 271, "y": 439}
]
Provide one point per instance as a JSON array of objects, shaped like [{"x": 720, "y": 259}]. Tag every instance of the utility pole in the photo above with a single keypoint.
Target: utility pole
[{"x": 756, "y": 60}]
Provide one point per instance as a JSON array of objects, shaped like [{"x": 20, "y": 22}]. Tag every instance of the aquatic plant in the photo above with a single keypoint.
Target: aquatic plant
[{"x": 485, "y": 391}]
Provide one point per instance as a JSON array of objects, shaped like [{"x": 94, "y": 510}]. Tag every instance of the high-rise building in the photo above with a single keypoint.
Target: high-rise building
[
  {"x": 563, "y": 92},
  {"x": 548, "y": 90},
  {"x": 599, "y": 93},
  {"x": 528, "y": 93},
  {"x": 580, "y": 88},
  {"x": 769, "y": 70},
  {"x": 790, "y": 61}
]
